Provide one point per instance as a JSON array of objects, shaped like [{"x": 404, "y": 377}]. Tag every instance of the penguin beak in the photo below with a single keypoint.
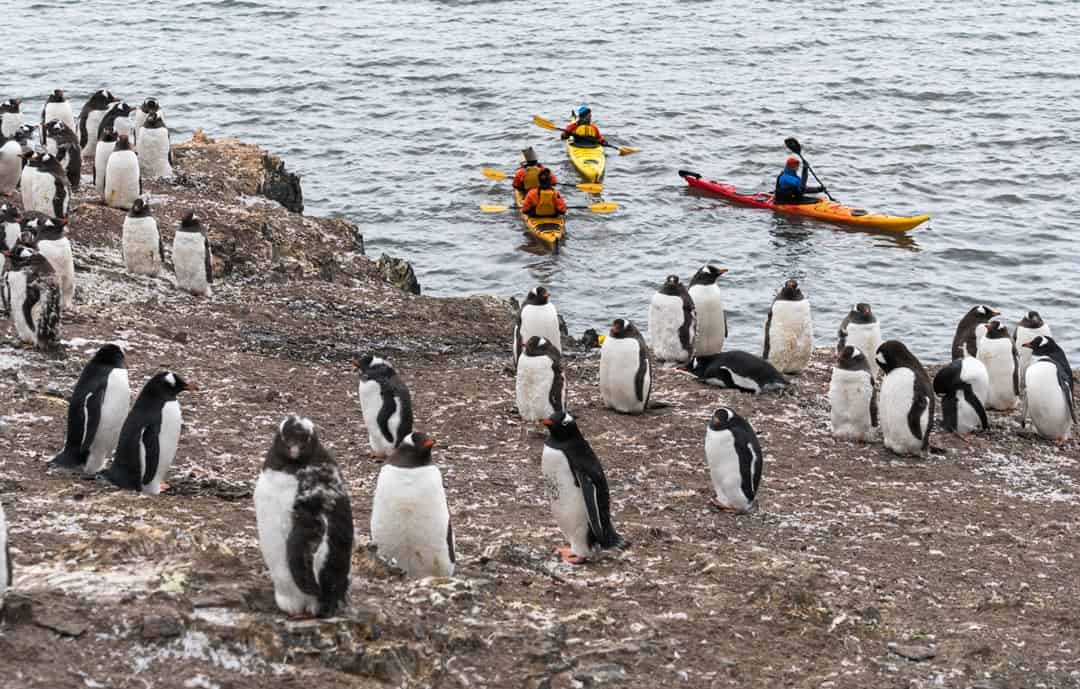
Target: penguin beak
[
  {"x": 548, "y": 422},
  {"x": 356, "y": 363},
  {"x": 721, "y": 271},
  {"x": 190, "y": 387},
  {"x": 1028, "y": 345},
  {"x": 995, "y": 314},
  {"x": 429, "y": 443}
]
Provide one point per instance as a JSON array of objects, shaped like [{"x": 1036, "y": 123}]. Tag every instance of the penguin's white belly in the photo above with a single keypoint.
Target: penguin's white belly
[
  {"x": 1023, "y": 336},
  {"x": 897, "y": 398},
  {"x": 93, "y": 121},
  {"x": 665, "y": 319},
  {"x": 153, "y": 148},
  {"x": 967, "y": 418},
  {"x": 997, "y": 356},
  {"x": 16, "y": 280},
  {"x": 141, "y": 244},
  {"x": 168, "y": 441},
  {"x": 540, "y": 321},
  {"x": 867, "y": 338},
  {"x": 44, "y": 194},
  {"x": 113, "y": 410},
  {"x": 58, "y": 253},
  {"x": 189, "y": 262},
  {"x": 711, "y": 326},
  {"x": 535, "y": 379},
  {"x": 62, "y": 112},
  {"x": 4, "y": 583},
  {"x": 850, "y": 393},
  {"x": 27, "y": 186},
  {"x": 567, "y": 501},
  {"x": 371, "y": 402},
  {"x": 791, "y": 336},
  {"x": 619, "y": 361},
  {"x": 1046, "y": 404},
  {"x": 10, "y": 166},
  {"x": 410, "y": 520},
  {"x": 275, "y": 496},
  {"x": 9, "y": 123},
  {"x": 122, "y": 179},
  {"x": 724, "y": 469},
  {"x": 102, "y": 152}
]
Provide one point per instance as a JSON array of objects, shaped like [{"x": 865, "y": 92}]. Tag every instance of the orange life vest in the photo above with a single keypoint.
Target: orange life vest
[
  {"x": 531, "y": 180},
  {"x": 586, "y": 130},
  {"x": 545, "y": 203}
]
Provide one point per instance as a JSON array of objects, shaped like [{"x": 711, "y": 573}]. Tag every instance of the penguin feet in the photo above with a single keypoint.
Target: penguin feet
[
  {"x": 164, "y": 487},
  {"x": 722, "y": 507},
  {"x": 567, "y": 555}
]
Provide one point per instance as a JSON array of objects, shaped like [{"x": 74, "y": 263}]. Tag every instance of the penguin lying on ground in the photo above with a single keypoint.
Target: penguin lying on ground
[
  {"x": 96, "y": 412},
  {"x": 853, "y": 400},
  {"x": 1048, "y": 396},
  {"x": 385, "y": 404},
  {"x": 672, "y": 322},
  {"x": 970, "y": 330},
  {"x": 907, "y": 400},
  {"x": 965, "y": 385},
  {"x": 737, "y": 370},
  {"x": 712, "y": 327},
  {"x": 625, "y": 372},
  {"x": 789, "y": 330},
  {"x": 735, "y": 460}
]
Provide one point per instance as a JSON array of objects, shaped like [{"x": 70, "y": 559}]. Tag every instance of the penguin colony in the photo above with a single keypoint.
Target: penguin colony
[{"x": 302, "y": 505}]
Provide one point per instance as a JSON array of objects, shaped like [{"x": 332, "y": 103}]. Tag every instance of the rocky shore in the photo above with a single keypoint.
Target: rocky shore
[{"x": 858, "y": 569}]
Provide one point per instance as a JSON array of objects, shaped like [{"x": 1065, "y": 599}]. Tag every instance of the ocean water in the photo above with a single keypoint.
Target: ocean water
[{"x": 966, "y": 110}]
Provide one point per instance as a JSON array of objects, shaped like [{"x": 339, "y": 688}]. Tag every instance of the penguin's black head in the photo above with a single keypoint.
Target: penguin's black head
[
  {"x": 139, "y": 208},
  {"x": 150, "y": 105},
  {"x": 167, "y": 385},
  {"x": 1032, "y": 320},
  {"x": 982, "y": 313},
  {"x": 190, "y": 221},
  {"x": 123, "y": 143},
  {"x": 24, "y": 133},
  {"x": 538, "y": 296},
  {"x": 722, "y": 418},
  {"x": 371, "y": 367},
  {"x": 995, "y": 330},
  {"x": 622, "y": 328},
  {"x": 124, "y": 108},
  {"x": 154, "y": 121},
  {"x": 851, "y": 358},
  {"x": 102, "y": 97},
  {"x": 57, "y": 96},
  {"x": 295, "y": 439},
  {"x": 51, "y": 163},
  {"x": 414, "y": 451},
  {"x": 10, "y": 105},
  {"x": 672, "y": 281},
  {"x": 109, "y": 355},
  {"x": 893, "y": 354},
  {"x": 849, "y": 352},
  {"x": 790, "y": 291},
  {"x": 540, "y": 346},
  {"x": 110, "y": 136},
  {"x": 707, "y": 275},
  {"x": 9, "y": 213},
  {"x": 562, "y": 425},
  {"x": 1043, "y": 345},
  {"x": 55, "y": 127},
  {"x": 864, "y": 309}
]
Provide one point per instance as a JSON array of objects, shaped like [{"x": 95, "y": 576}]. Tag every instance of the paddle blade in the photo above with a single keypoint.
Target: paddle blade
[
  {"x": 493, "y": 209},
  {"x": 591, "y": 188},
  {"x": 605, "y": 207},
  {"x": 793, "y": 145},
  {"x": 627, "y": 150},
  {"x": 687, "y": 174},
  {"x": 496, "y": 175},
  {"x": 545, "y": 124}
]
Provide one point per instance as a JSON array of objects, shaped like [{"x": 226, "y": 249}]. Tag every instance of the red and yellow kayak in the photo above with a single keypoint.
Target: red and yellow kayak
[
  {"x": 547, "y": 231},
  {"x": 822, "y": 210}
]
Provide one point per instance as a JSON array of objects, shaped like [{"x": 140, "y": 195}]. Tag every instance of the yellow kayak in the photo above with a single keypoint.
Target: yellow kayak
[
  {"x": 547, "y": 231},
  {"x": 588, "y": 160}
]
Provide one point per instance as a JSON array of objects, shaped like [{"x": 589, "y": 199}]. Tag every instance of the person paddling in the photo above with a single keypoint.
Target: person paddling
[
  {"x": 543, "y": 202},
  {"x": 585, "y": 133},
  {"x": 527, "y": 176},
  {"x": 791, "y": 188}
]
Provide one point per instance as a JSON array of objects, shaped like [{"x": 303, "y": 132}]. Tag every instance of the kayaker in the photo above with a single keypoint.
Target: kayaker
[
  {"x": 791, "y": 188},
  {"x": 543, "y": 202},
  {"x": 528, "y": 175},
  {"x": 583, "y": 130}
]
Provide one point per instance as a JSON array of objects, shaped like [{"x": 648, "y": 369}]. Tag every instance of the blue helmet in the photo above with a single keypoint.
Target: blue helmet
[{"x": 583, "y": 110}]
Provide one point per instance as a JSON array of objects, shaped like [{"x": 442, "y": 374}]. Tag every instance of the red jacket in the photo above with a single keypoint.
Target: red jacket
[
  {"x": 519, "y": 177},
  {"x": 534, "y": 205},
  {"x": 570, "y": 129}
]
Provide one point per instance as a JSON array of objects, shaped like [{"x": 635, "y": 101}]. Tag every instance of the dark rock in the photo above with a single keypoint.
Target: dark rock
[
  {"x": 358, "y": 241},
  {"x": 63, "y": 622},
  {"x": 912, "y": 652},
  {"x": 280, "y": 185},
  {"x": 399, "y": 273},
  {"x": 17, "y": 609},
  {"x": 160, "y": 627},
  {"x": 600, "y": 674}
]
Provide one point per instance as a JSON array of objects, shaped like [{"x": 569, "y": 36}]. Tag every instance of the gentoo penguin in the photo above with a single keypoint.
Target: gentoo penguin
[
  {"x": 853, "y": 396},
  {"x": 861, "y": 330},
  {"x": 96, "y": 412},
  {"x": 63, "y": 142},
  {"x": 123, "y": 183},
  {"x": 155, "y": 152},
  {"x": 10, "y": 233},
  {"x": 579, "y": 490},
  {"x": 305, "y": 523},
  {"x": 192, "y": 260},
  {"x": 11, "y": 166},
  {"x": 540, "y": 384},
  {"x": 28, "y": 183},
  {"x": 13, "y": 291},
  {"x": 34, "y": 298},
  {"x": 1048, "y": 394},
  {"x": 672, "y": 322},
  {"x": 52, "y": 190},
  {"x": 150, "y": 435},
  {"x": 907, "y": 400},
  {"x": 385, "y": 404},
  {"x": 789, "y": 330},
  {"x": 735, "y": 460},
  {"x": 970, "y": 330},
  {"x": 1030, "y": 327},
  {"x": 10, "y": 117},
  {"x": 6, "y": 573},
  {"x": 712, "y": 328},
  {"x": 90, "y": 117},
  {"x": 116, "y": 119},
  {"x": 144, "y": 252},
  {"x": 104, "y": 148},
  {"x": 625, "y": 372},
  {"x": 50, "y": 239},
  {"x": 410, "y": 522},
  {"x": 57, "y": 107},
  {"x": 997, "y": 352},
  {"x": 148, "y": 106},
  {"x": 965, "y": 386},
  {"x": 537, "y": 317},
  {"x": 737, "y": 370}
]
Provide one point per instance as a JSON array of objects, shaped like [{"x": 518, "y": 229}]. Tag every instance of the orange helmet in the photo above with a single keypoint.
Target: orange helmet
[{"x": 792, "y": 162}]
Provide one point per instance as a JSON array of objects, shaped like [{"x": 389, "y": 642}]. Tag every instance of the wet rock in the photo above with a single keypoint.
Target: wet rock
[
  {"x": 399, "y": 273},
  {"x": 155, "y": 627},
  {"x": 912, "y": 652},
  {"x": 280, "y": 185}
]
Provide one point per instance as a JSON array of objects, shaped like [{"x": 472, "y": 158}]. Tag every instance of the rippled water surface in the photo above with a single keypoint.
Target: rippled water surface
[{"x": 966, "y": 110}]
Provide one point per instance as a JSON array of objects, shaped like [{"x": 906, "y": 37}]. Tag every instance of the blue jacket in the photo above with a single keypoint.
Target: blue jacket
[{"x": 790, "y": 187}]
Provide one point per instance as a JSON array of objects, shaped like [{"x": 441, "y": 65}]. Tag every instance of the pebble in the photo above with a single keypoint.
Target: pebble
[{"x": 912, "y": 652}]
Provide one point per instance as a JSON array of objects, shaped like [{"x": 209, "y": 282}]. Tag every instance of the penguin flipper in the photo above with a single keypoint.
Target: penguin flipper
[
  {"x": 304, "y": 539},
  {"x": 590, "y": 490},
  {"x": 149, "y": 441},
  {"x": 1065, "y": 381},
  {"x": 768, "y": 326},
  {"x": 873, "y": 403},
  {"x": 333, "y": 579},
  {"x": 91, "y": 413},
  {"x": 207, "y": 258},
  {"x": 390, "y": 404},
  {"x": 973, "y": 400},
  {"x": 589, "y": 474},
  {"x": 750, "y": 460},
  {"x": 450, "y": 539},
  {"x": 919, "y": 404}
]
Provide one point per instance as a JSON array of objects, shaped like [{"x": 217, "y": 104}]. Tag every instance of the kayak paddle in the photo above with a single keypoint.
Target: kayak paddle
[
  {"x": 605, "y": 207},
  {"x": 795, "y": 147},
  {"x": 548, "y": 124},
  {"x": 587, "y": 187}
]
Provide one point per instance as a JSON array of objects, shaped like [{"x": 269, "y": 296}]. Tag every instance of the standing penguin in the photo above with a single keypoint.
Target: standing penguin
[
  {"x": 540, "y": 383},
  {"x": 144, "y": 252},
  {"x": 537, "y": 317},
  {"x": 13, "y": 289},
  {"x": 11, "y": 166},
  {"x": 155, "y": 151},
  {"x": 735, "y": 460},
  {"x": 10, "y": 118},
  {"x": 96, "y": 412},
  {"x": 853, "y": 396},
  {"x": 712, "y": 327},
  {"x": 57, "y": 107},
  {"x": 579, "y": 491},
  {"x": 10, "y": 231},
  {"x": 30, "y": 174},
  {"x": 970, "y": 330},
  {"x": 305, "y": 522},
  {"x": 104, "y": 148},
  {"x": 150, "y": 435},
  {"x": 192, "y": 260},
  {"x": 385, "y": 404},
  {"x": 997, "y": 352},
  {"x": 90, "y": 117},
  {"x": 150, "y": 105},
  {"x": 907, "y": 400},
  {"x": 625, "y": 372},
  {"x": 1048, "y": 396},
  {"x": 965, "y": 385},
  {"x": 62, "y": 142},
  {"x": 410, "y": 522},
  {"x": 789, "y": 330},
  {"x": 51, "y": 192},
  {"x": 50, "y": 239},
  {"x": 34, "y": 294},
  {"x": 737, "y": 370},
  {"x": 672, "y": 322},
  {"x": 116, "y": 120},
  {"x": 1030, "y": 327},
  {"x": 123, "y": 183},
  {"x": 861, "y": 330}
]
